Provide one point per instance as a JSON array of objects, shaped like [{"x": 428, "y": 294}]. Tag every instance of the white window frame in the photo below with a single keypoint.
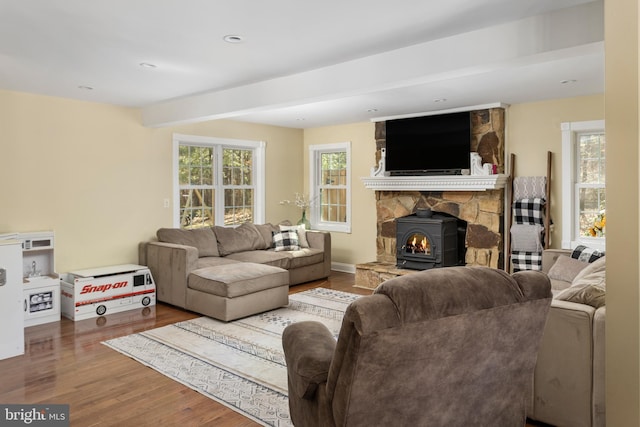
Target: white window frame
[
  {"x": 218, "y": 144},
  {"x": 570, "y": 214},
  {"x": 315, "y": 172}
]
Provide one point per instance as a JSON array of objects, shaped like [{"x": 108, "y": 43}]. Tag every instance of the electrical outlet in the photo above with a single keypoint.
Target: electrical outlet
[{"x": 166, "y": 203}]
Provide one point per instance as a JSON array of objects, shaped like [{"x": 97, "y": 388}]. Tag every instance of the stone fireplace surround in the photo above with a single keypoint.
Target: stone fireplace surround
[{"x": 481, "y": 209}]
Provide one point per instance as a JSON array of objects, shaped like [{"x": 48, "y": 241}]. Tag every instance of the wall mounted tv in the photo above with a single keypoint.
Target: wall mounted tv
[{"x": 429, "y": 145}]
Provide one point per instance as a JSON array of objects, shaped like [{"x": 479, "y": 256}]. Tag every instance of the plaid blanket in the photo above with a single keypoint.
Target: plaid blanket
[
  {"x": 522, "y": 260},
  {"x": 586, "y": 254},
  {"x": 527, "y": 187},
  {"x": 529, "y": 211}
]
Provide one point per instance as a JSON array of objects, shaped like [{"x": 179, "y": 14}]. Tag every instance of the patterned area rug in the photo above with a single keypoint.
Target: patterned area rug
[{"x": 241, "y": 363}]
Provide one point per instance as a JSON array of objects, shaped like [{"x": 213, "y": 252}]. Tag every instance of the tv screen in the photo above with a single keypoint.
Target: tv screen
[{"x": 429, "y": 145}]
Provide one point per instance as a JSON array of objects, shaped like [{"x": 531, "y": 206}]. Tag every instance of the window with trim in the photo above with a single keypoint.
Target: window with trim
[
  {"x": 583, "y": 177},
  {"x": 330, "y": 191},
  {"x": 217, "y": 181}
]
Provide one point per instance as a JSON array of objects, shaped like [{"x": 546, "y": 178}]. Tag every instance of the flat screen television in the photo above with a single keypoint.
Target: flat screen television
[{"x": 429, "y": 145}]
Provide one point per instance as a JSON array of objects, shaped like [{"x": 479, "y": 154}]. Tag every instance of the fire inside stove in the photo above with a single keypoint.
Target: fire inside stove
[{"x": 418, "y": 244}]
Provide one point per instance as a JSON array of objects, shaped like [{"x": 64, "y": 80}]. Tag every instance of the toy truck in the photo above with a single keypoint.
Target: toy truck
[{"x": 105, "y": 290}]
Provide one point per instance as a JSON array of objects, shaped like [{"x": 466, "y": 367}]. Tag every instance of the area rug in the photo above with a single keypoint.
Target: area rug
[{"x": 241, "y": 363}]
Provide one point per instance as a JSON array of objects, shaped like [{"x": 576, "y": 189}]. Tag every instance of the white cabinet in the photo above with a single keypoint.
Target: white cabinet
[{"x": 11, "y": 297}]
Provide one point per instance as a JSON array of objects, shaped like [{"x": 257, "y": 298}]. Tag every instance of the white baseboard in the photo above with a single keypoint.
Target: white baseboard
[{"x": 344, "y": 268}]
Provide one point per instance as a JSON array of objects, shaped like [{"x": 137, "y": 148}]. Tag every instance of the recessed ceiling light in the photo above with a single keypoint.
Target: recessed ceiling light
[
  {"x": 233, "y": 38},
  {"x": 147, "y": 65},
  {"x": 440, "y": 100},
  {"x": 568, "y": 81},
  {"x": 372, "y": 110},
  {"x": 301, "y": 119},
  {"x": 85, "y": 87}
]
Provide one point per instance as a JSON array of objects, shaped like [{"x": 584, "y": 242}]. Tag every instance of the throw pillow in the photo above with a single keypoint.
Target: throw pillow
[
  {"x": 204, "y": 239},
  {"x": 586, "y": 254},
  {"x": 597, "y": 267},
  {"x": 286, "y": 240},
  {"x": 589, "y": 286},
  {"x": 566, "y": 268},
  {"x": 302, "y": 233},
  {"x": 585, "y": 293}
]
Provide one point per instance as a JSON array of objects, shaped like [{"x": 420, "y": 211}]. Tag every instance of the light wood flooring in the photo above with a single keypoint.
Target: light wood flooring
[{"x": 65, "y": 363}]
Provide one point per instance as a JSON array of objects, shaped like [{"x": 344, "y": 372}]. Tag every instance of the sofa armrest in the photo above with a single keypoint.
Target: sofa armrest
[
  {"x": 170, "y": 266},
  {"x": 308, "y": 349},
  {"x": 563, "y": 379},
  {"x": 321, "y": 240}
]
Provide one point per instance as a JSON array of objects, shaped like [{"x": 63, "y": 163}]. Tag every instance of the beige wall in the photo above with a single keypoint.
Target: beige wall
[
  {"x": 98, "y": 178},
  {"x": 359, "y": 246},
  {"x": 534, "y": 128}
]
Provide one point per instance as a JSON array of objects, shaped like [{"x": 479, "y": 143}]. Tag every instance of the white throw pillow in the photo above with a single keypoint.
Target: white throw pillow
[{"x": 302, "y": 233}]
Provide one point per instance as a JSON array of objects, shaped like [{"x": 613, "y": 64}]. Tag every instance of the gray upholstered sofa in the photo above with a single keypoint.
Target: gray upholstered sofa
[
  {"x": 569, "y": 380},
  {"x": 228, "y": 273}
]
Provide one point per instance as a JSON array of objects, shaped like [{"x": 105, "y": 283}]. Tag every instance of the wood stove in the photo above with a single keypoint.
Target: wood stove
[{"x": 426, "y": 242}]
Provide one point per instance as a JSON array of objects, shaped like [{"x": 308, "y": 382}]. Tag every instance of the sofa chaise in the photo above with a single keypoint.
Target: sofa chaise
[{"x": 228, "y": 273}]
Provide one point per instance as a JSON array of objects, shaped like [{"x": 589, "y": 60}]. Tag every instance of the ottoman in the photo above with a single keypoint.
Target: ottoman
[{"x": 231, "y": 291}]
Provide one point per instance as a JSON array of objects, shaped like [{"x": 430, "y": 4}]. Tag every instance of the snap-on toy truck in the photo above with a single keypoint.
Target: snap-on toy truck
[{"x": 105, "y": 290}]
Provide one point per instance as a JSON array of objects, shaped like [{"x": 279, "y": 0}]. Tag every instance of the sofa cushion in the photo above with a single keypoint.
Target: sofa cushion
[
  {"x": 566, "y": 268},
  {"x": 266, "y": 231},
  {"x": 244, "y": 237},
  {"x": 269, "y": 257},
  {"x": 597, "y": 267},
  {"x": 204, "y": 239},
  {"x": 588, "y": 287},
  {"x": 304, "y": 257},
  {"x": 286, "y": 240},
  {"x": 302, "y": 233},
  {"x": 212, "y": 261},
  {"x": 585, "y": 293},
  {"x": 229, "y": 281},
  {"x": 283, "y": 259}
]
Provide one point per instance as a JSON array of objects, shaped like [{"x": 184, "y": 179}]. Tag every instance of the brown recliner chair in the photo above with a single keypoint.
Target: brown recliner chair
[{"x": 447, "y": 347}]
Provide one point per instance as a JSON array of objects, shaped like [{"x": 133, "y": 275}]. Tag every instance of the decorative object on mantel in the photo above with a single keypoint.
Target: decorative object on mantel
[
  {"x": 477, "y": 168},
  {"x": 380, "y": 170},
  {"x": 303, "y": 203}
]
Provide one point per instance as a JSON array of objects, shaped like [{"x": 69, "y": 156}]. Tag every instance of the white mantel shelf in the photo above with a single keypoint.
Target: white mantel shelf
[{"x": 436, "y": 183}]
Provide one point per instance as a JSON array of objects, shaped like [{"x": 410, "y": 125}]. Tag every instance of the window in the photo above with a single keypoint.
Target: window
[
  {"x": 583, "y": 188},
  {"x": 330, "y": 191},
  {"x": 217, "y": 181}
]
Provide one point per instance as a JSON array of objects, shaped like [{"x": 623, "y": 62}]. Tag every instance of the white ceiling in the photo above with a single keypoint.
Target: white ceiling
[{"x": 301, "y": 64}]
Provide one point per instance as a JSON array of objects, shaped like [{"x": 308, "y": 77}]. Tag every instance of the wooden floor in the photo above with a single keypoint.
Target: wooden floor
[{"x": 65, "y": 363}]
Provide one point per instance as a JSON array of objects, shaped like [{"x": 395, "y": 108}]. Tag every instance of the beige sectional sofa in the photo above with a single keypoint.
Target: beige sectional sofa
[
  {"x": 569, "y": 380},
  {"x": 228, "y": 273}
]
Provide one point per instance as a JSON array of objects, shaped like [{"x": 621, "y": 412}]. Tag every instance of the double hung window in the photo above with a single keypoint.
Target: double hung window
[
  {"x": 217, "y": 181},
  {"x": 330, "y": 192},
  {"x": 584, "y": 201}
]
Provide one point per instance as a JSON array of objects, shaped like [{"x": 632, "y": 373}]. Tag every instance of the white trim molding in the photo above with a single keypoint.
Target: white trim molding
[{"x": 436, "y": 183}]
